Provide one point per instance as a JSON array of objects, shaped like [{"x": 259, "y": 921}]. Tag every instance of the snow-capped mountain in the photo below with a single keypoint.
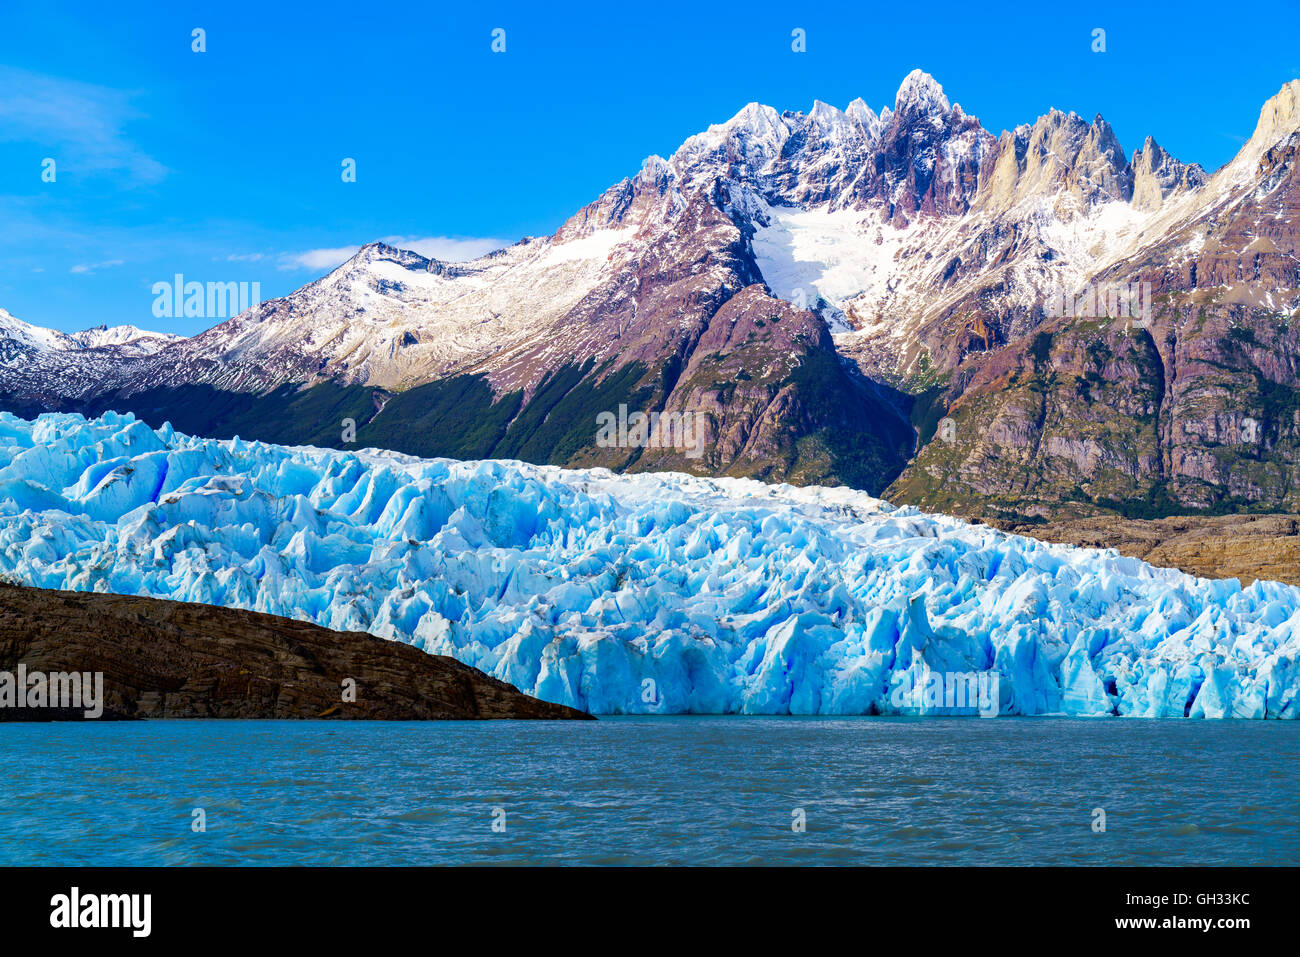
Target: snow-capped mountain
[
  {"x": 18, "y": 337},
  {"x": 43, "y": 368},
  {"x": 22, "y": 339},
  {"x": 809, "y": 283},
  {"x": 130, "y": 339}
]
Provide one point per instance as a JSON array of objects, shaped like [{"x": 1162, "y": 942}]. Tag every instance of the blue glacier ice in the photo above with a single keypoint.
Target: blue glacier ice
[{"x": 643, "y": 594}]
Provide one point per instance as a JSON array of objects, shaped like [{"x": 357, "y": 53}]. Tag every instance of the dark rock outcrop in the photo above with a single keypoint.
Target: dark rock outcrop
[{"x": 168, "y": 659}]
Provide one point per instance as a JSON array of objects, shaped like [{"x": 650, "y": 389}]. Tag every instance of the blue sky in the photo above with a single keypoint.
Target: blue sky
[{"x": 225, "y": 165}]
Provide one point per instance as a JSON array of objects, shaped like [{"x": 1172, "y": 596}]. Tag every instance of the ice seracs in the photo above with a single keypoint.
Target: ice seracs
[{"x": 656, "y": 593}]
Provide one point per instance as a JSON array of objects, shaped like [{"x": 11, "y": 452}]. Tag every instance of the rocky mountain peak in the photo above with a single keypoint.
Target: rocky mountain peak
[
  {"x": 1158, "y": 175},
  {"x": 1279, "y": 117},
  {"x": 382, "y": 252},
  {"x": 829, "y": 119},
  {"x": 865, "y": 117},
  {"x": 1279, "y": 120},
  {"x": 654, "y": 169},
  {"x": 1103, "y": 138},
  {"x": 1059, "y": 155},
  {"x": 748, "y": 141},
  {"x": 1101, "y": 168},
  {"x": 920, "y": 94}
]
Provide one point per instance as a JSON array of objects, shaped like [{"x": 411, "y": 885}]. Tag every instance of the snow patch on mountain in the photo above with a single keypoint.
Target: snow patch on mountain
[
  {"x": 837, "y": 256},
  {"x": 19, "y": 335}
]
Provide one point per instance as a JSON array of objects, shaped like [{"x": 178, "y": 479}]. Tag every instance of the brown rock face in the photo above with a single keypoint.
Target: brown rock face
[
  {"x": 168, "y": 659},
  {"x": 1158, "y": 176},
  {"x": 770, "y": 399},
  {"x": 1196, "y": 408}
]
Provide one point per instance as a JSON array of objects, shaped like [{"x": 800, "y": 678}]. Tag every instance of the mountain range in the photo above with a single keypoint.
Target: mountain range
[{"x": 839, "y": 297}]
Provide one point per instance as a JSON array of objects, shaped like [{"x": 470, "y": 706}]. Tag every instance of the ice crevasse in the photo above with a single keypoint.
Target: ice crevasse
[{"x": 655, "y": 593}]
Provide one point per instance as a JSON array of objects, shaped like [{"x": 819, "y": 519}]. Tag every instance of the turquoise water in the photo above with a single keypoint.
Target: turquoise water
[{"x": 683, "y": 790}]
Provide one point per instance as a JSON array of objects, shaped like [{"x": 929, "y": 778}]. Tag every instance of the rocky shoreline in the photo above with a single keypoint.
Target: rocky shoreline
[
  {"x": 1247, "y": 547},
  {"x": 168, "y": 659}
]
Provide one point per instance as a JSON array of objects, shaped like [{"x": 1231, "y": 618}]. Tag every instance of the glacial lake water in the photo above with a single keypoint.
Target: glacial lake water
[{"x": 678, "y": 790}]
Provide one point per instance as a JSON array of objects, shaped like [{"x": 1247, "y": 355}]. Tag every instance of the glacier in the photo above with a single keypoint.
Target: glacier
[{"x": 649, "y": 593}]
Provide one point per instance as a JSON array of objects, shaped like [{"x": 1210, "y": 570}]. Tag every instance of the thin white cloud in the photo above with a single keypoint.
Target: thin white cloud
[
  {"x": 92, "y": 267},
  {"x": 451, "y": 249},
  {"x": 444, "y": 248},
  {"x": 79, "y": 125},
  {"x": 318, "y": 259}
]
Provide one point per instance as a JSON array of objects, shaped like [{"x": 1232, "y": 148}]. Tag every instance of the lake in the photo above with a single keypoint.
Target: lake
[{"x": 652, "y": 790}]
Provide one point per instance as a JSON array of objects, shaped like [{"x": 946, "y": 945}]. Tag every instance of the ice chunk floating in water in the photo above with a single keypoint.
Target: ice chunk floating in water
[{"x": 642, "y": 593}]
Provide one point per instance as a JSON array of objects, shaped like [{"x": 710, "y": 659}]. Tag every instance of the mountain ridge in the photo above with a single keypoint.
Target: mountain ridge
[{"x": 891, "y": 269}]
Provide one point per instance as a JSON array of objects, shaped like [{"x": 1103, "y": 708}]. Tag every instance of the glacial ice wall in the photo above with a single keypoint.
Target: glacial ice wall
[{"x": 644, "y": 593}]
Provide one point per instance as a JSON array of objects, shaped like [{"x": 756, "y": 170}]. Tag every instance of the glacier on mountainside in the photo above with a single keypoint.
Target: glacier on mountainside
[{"x": 653, "y": 593}]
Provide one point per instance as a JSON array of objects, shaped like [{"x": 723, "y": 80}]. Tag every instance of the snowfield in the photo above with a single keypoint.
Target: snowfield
[{"x": 648, "y": 593}]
